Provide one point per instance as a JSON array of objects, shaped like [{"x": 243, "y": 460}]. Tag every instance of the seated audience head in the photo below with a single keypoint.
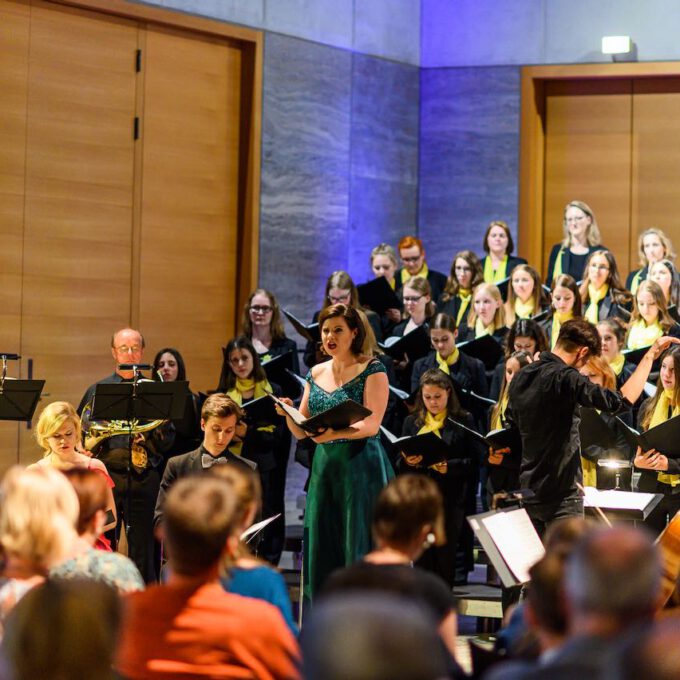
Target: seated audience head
[
  {"x": 563, "y": 535},
  {"x": 262, "y": 309},
  {"x": 58, "y": 429},
  {"x": 340, "y": 289},
  {"x": 38, "y": 514},
  {"x": 409, "y": 515},
  {"x": 654, "y": 245},
  {"x": 168, "y": 364},
  {"x": 653, "y": 653},
  {"x": 198, "y": 526},
  {"x": 526, "y": 335},
  {"x": 63, "y": 629},
  {"x": 580, "y": 338},
  {"x": 342, "y": 329},
  {"x": 412, "y": 254},
  {"x": 246, "y": 488},
  {"x": 580, "y": 225},
  {"x": 545, "y": 611},
  {"x": 613, "y": 579},
  {"x": 92, "y": 492},
  {"x": 498, "y": 239},
  {"x": 384, "y": 261},
  {"x": 376, "y": 636}
]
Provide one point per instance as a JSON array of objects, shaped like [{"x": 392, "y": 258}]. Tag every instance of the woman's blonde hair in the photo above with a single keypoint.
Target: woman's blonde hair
[
  {"x": 499, "y": 316},
  {"x": 421, "y": 285},
  {"x": 669, "y": 253},
  {"x": 38, "y": 515},
  {"x": 593, "y": 237},
  {"x": 51, "y": 419},
  {"x": 537, "y": 294},
  {"x": 600, "y": 366},
  {"x": 664, "y": 319}
]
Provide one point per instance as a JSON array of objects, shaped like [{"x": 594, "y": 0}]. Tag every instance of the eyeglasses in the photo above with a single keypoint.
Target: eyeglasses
[
  {"x": 409, "y": 300},
  {"x": 600, "y": 267},
  {"x": 341, "y": 298},
  {"x": 462, "y": 269},
  {"x": 260, "y": 309},
  {"x": 411, "y": 260},
  {"x": 124, "y": 349},
  {"x": 568, "y": 220}
]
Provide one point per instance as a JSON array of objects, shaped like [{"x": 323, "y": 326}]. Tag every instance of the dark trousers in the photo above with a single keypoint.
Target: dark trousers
[
  {"x": 274, "y": 502},
  {"x": 542, "y": 515},
  {"x": 142, "y": 547}
]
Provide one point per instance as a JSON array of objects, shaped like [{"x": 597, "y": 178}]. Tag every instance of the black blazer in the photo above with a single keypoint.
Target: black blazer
[
  {"x": 643, "y": 275},
  {"x": 467, "y": 373},
  {"x": 569, "y": 265},
  {"x": 513, "y": 261},
  {"x": 452, "y": 307},
  {"x": 607, "y": 308},
  {"x": 183, "y": 466}
]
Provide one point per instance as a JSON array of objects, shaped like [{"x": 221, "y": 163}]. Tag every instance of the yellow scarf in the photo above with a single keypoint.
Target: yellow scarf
[
  {"x": 393, "y": 283},
  {"x": 236, "y": 394},
  {"x": 433, "y": 423},
  {"x": 497, "y": 421},
  {"x": 557, "y": 270},
  {"x": 617, "y": 364},
  {"x": 594, "y": 297},
  {"x": 636, "y": 281},
  {"x": 444, "y": 364},
  {"x": 642, "y": 335},
  {"x": 491, "y": 276},
  {"x": 659, "y": 416},
  {"x": 481, "y": 329},
  {"x": 557, "y": 320},
  {"x": 589, "y": 472},
  {"x": 464, "y": 296},
  {"x": 524, "y": 310},
  {"x": 405, "y": 276}
]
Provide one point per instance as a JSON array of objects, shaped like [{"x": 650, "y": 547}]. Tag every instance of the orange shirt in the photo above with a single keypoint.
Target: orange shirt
[{"x": 204, "y": 632}]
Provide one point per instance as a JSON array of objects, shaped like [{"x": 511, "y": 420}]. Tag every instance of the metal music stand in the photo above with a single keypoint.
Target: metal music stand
[
  {"x": 138, "y": 400},
  {"x": 18, "y": 398}
]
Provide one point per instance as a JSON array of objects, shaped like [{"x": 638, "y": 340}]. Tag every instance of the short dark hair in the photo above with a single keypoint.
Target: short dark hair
[
  {"x": 353, "y": 321},
  {"x": 578, "y": 333},
  {"x": 506, "y": 229},
  {"x": 198, "y": 517},
  {"x": 544, "y": 593},
  {"x": 220, "y": 406},
  {"x": 406, "y": 505},
  {"x": 526, "y": 328}
]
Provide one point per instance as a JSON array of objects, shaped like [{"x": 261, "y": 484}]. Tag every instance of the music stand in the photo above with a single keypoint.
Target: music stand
[
  {"x": 138, "y": 400},
  {"x": 18, "y": 398}
]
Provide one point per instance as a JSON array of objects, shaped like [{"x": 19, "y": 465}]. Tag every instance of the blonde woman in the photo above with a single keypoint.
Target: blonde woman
[
  {"x": 650, "y": 319},
  {"x": 59, "y": 433},
  {"x": 525, "y": 295},
  {"x": 38, "y": 514},
  {"x": 581, "y": 238},
  {"x": 487, "y": 316},
  {"x": 653, "y": 246}
]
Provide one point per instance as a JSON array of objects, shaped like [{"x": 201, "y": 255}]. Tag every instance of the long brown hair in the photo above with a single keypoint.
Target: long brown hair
[
  {"x": 569, "y": 282},
  {"x": 523, "y": 359},
  {"x": 452, "y": 286},
  {"x": 593, "y": 237},
  {"x": 616, "y": 289},
  {"x": 664, "y": 319},
  {"x": 647, "y": 410},
  {"x": 342, "y": 280},
  {"x": 227, "y": 376},
  {"x": 437, "y": 378},
  {"x": 421, "y": 285},
  {"x": 506, "y": 229},
  {"x": 275, "y": 325},
  {"x": 537, "y": 295}
]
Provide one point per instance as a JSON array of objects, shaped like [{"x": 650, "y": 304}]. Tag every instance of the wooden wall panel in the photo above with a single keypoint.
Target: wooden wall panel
[
  {"x": 587, "y": 157},
  {"x": 14, "y": 41},
  {"x": 188, "y": 242},
  {"x": 655, "y": 160},
  {"x": 79, "y": 180}
]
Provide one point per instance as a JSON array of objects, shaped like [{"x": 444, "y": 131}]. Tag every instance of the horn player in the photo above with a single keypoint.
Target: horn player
[{"x": 146, "y": 467}]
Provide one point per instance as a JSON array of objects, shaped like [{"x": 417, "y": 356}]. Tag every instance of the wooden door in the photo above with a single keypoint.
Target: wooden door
[
  {"x": 79, "y": 197},
  {"x": 588, "y": 158},
  {"x": 188, "y": 224},
  {"x": 14, "y": 41},
  {"x": 655, "y": 169}
]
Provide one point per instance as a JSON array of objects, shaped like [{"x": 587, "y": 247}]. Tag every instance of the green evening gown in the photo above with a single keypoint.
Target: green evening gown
[{"x": 347, "y": 476}]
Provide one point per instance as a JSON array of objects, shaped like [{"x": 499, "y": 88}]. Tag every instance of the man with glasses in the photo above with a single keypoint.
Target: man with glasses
[
  {"x": 412, "y": 255},
  {"x": 127, "y": 347}
]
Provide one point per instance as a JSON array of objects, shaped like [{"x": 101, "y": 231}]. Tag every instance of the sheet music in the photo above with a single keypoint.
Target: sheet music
[
  {"x": 257, "y": 527},
  {"x": 616, "y": 500},
  {"x": 516, "y": 539},
  {"x": 297, "y": 417}
]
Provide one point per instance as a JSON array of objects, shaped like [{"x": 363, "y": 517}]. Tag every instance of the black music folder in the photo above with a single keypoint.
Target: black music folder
[
  {"x": 403, "y": 395},
  {"x": 19, "y": 398},
  {"x": 593, "y": 430},
  {"x": 279, "y": 371},
  {"x": 310, "y": 332},
  {"x": 485, "y": 348},
  {"x": 337, "y": 417},
  {"x": 634, "y": 356},
  {"x": 415, "y": 345},
  {"x": 432, "y": 448},
  {"x": 503, "y": 438},
  {"x": 665, "y": 438},
  {"x": 260, "y": 411},
  {"x": 378, "y": 295}
]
